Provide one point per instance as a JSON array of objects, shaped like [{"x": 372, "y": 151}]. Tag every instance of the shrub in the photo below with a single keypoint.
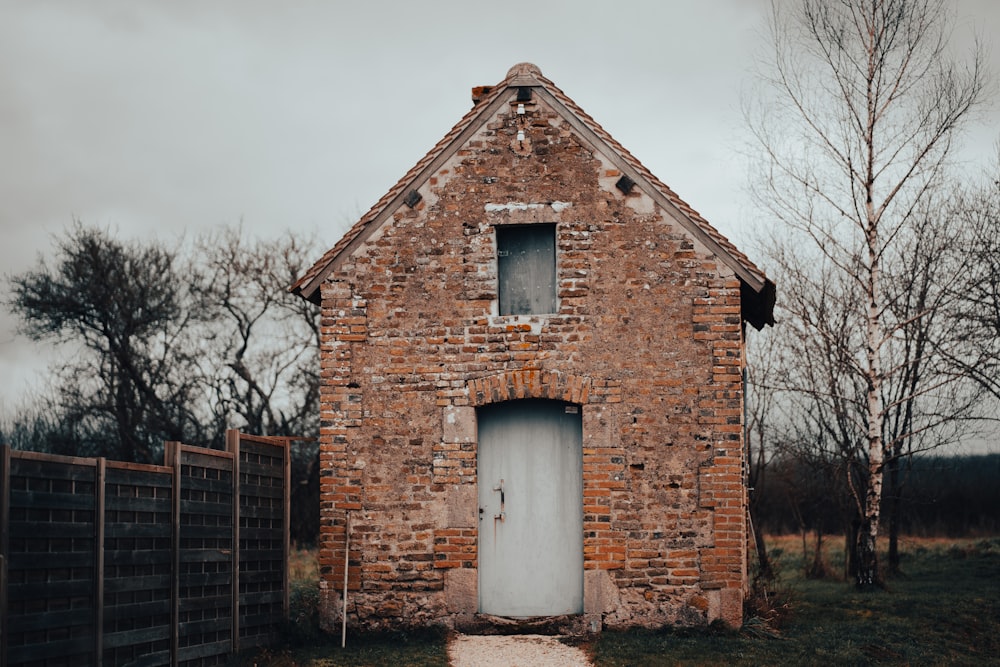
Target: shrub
[
  {"x": 769, "y": 603},
  {"x": 302, "y": 626}
]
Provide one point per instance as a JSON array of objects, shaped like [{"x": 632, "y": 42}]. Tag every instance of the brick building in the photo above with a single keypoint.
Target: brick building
[{"x": 532, "y": 392}]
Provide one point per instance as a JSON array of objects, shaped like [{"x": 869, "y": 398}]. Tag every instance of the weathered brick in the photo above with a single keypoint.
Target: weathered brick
[{"x": 646, "y": 342}]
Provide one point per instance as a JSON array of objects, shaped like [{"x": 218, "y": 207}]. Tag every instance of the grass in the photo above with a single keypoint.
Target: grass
[
  {"x": 302, "y": 564},
  {"x": 305, "y": 645},
  {"x": 424, "y": 649},
  {"x": 943, "y": 610}
]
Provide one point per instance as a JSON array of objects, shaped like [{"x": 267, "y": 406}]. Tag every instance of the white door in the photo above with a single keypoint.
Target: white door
[{"x": 530, "y": 471}]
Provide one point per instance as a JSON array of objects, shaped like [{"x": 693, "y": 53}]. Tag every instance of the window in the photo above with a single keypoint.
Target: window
[{"x": 526, "y": 269}]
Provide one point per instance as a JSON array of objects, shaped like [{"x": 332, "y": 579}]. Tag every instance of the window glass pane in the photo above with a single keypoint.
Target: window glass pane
[{"x": 526, "y": 269}]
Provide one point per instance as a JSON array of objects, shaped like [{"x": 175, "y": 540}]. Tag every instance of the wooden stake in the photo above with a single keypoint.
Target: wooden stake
[{"x": 347, "y": 553}]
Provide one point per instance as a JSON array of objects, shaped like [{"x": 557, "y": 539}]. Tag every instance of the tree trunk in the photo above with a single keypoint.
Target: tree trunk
[
  {"x": 868, "y": 538},
  {"x": 805, "y": 549},
  {"x": 818, "y": 568},
  {"x": 766, "y": 571},
  {"x": 895, "y": 503},
  {"x": 867, "y": 566},
  {"x": 851, "y": 549}
]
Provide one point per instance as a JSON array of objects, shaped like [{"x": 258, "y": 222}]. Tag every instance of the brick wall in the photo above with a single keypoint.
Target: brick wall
[{"x": 648, "y": 340}]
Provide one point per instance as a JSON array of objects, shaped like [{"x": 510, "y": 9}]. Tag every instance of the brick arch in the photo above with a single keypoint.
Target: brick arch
[{"x": 535, "y": 383}]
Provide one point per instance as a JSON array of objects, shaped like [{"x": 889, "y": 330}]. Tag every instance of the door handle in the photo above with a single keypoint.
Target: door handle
[{"x": 503, "y": 515}]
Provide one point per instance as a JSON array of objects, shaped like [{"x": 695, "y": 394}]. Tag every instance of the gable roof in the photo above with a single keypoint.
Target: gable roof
[{"x": 757, "y": 290}]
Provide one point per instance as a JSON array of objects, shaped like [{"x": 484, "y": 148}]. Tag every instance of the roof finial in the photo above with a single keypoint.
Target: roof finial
[{"x": 524, "y": 69}]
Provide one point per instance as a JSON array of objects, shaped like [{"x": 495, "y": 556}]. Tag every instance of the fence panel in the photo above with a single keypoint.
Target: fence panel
[
  {"x": 51, "y": 561},
  {"x": 205, "y": 623},
  {"x": 89, "y": 550},
  {"x": 138, "y": 511},
  {"x": 264, "y": 471}
]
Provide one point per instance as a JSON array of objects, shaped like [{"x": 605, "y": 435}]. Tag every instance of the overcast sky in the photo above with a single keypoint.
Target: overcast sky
[{"x": 171, "y": 117}]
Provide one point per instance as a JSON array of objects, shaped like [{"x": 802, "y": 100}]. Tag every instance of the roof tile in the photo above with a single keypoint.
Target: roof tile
[{"x": 521, "y": 74}]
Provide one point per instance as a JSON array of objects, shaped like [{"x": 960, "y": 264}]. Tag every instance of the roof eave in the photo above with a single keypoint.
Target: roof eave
[
  {"x": 309, "y": 289},
  {"x": 644, "y": 184},
  {"x": 757, "y": 305},
  {"x": 757, "y": 290}
]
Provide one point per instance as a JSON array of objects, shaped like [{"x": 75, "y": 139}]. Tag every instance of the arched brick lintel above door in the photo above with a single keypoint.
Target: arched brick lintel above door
[{"x": 534, "y": 383}]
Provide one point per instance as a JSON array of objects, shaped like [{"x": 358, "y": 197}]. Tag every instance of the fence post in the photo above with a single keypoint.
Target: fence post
[
  {"x": 99, "y": 481},
  {"x": 172, "y": 458},
  {"x": 287, "y": 502},
  {"x": 4, "y": 545},
  {"x": 233, "y": 445}
]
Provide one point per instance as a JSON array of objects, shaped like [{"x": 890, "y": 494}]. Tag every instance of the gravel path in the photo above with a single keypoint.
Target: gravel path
[{"x": 513, "y": 651}]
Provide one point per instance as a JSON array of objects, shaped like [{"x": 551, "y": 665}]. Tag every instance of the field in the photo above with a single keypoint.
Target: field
[{"x": 944, "y": 609}]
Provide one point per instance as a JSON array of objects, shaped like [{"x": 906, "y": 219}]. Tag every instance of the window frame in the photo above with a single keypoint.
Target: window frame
[{"x": 513, "y": 295}]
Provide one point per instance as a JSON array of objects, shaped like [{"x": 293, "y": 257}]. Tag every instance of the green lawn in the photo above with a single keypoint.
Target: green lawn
[
  {"x": 427, "y": 649},
  {"x": 945, "y": 609}
]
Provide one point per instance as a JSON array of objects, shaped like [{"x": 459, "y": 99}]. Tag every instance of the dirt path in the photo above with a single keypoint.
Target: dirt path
[{"x": 514, "y": 651}]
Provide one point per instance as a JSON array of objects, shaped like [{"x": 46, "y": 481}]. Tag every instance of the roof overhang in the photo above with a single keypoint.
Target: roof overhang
[{"x": 757, "y": 291}]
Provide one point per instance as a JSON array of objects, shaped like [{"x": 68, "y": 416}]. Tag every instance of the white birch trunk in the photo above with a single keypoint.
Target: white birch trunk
[{"x": 867, "y": 552}]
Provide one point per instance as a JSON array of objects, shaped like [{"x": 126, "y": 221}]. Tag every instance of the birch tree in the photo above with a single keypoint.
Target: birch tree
[{"x": 863, "y": 102}]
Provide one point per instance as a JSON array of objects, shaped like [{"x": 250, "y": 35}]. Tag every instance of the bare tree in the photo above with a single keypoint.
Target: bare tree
[
  {"x": 927, "y": 403},
  {"x": 130, "y": 385},
  {"x": 820, "y": 393},
  {"x": 173, "y": 344},
  {"x": 760, "y": 398},
  {"x": 262, "y": 371},
  {"x": 976, "y": 309},
  {"x": 866, "y": 100}
]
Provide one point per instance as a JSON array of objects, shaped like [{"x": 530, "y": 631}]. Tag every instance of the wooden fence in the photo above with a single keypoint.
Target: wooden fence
[{"x": 115, "y": 564}]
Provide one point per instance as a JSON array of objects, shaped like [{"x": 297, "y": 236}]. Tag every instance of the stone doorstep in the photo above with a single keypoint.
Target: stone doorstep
[{"x": 486, "y": 624}]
